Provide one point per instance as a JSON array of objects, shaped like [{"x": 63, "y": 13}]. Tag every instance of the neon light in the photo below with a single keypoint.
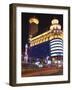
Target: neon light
[
  {"x": 56, "y": 48},
  {"x": 57, "y": 51},
  {"x": 56, "y": 43},
  {"x": 56, "y": 54},
  {"x": 56, "y": 40}
]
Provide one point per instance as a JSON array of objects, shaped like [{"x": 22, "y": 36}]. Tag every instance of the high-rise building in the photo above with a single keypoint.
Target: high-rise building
[
  {"x": 56, "y": 44},
  {"x": 33, "y": 26}
]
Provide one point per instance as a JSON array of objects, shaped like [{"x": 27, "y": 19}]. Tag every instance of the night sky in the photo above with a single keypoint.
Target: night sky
[{"x": 44, "y": 24}]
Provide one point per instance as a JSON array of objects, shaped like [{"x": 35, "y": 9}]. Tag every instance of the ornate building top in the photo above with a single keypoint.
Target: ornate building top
[
  {"x": 34, "y": 20},
  {"x": 55, "y": 24},
  {"x": 55, "y": 21},
  {"x": 54, "y": 32}
]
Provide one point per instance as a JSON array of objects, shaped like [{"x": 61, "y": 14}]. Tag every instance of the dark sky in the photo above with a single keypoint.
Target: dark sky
[{"x": 44, "y": 22}]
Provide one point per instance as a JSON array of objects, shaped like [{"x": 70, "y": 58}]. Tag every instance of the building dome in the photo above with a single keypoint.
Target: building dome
[
  {"x": 55, "y": 25},
  {"x": 34, "y": 20},
  {"x": 55, "y": 21}
]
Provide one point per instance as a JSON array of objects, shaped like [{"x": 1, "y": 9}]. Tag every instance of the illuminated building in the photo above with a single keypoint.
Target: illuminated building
[
  {"x": 49, "y": 43},
  {"x": 56, "y": 44},
  {"x": 33, "y": 26}
]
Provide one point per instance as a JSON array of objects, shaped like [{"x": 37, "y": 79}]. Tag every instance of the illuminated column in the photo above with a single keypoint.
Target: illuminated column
[
  {"x": 33, "y": 26},
  {"x": 26, "y": 54},
  {"x": 56, "y": 44},
  {"x": 56, "y": 47}
]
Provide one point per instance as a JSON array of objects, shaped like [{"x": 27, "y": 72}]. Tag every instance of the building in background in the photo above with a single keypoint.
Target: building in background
[{"x": 33, "y": 26}]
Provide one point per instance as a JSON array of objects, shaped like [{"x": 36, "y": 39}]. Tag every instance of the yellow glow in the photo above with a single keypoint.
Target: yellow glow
[
  {"x": 52, "y": 27},
  {"x": 40, "y": 41},
  {"x": 55, "y": 21},
  {"x": 60, "y": 36},
  {"x": 34, "y": 20},
  {"x": 46, "y": 39},
  {"x": 55, "y": 36},
  {"x": 41, "y": 35},
  {"x": 51, "y": 37}
]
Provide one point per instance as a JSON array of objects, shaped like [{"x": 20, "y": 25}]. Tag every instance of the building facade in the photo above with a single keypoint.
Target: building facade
[{"x": 48, "y": 45}]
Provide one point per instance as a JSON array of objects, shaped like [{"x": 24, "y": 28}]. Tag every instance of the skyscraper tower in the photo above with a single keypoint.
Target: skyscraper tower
[
  {"x": 33, "y": 26},
  {"x": 56, "y": 44}
]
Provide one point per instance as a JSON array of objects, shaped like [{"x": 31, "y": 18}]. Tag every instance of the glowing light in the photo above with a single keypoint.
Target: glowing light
[
  {"x": 41, "y": 36},
  {"x": 61, "y": 48},
  {"x": 46, "y": 39},
  {"x": 56, "y": 36},
  {"x": 59, "y": 65},
  {"x": 34, "y": 20},
  {"x": 55, "y": 26},
  {"x": 60, "y": 36},
  {"x": 59, "y": 26},
  {"x": 56, "y": 54},
  {"x": 56, "y": 45},
  {"x": 55, "y": 21},
  {"x": 55, "y": 61},
  {"x": 56, "y": 40},
  {"x": 51, "y": 37},
  {"x": 59, "y": 62},
  {"x": 49, "y": 61},
  {"x": 53, "y": 33},
  {"x": 51, "y": 27},
  {"x": 26, "y": 54}
]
